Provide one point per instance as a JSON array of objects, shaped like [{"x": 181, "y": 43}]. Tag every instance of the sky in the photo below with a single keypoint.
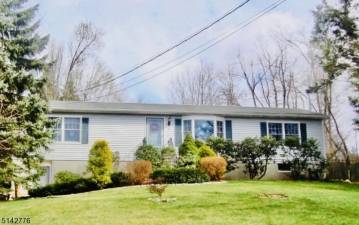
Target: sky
[{"x": 135, "y": 30}]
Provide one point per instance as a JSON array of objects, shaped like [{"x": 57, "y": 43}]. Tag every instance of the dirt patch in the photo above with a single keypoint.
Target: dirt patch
[{"x": 273, "y": 196}]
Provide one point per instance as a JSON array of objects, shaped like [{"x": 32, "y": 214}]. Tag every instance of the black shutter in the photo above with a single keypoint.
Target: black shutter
[
  {"x": 229, "y": 129},
  {"x": 303, "y": 132},
  {"x": 263, "y": 129},
  {"x": 85, "y": 131}
]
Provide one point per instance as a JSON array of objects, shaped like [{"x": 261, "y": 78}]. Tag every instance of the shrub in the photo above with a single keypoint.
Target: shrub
[
  {"x": 180, "y": 175},
  {"x": 75, "y": 186},
  {"x": 149, "y": 153},
  {"x": 305, "y": 159},
  {"x": 187, "y": 152},
  {"x": 120, "y": 179},
  {"x": 139, "y": 171},
  {"x": 199, "y": 143},
  {"x": 100, "y": 163},
  {"x": 168, "y": 155},
  {"x": 214, "y": 167},
  {"x": 66, "y": 177},
  {"x": 158, "y": 189},
  {"x": 255, "y": 154},
  {"x": 227, "y": 149},
  {"x": 206, "y": 151}
]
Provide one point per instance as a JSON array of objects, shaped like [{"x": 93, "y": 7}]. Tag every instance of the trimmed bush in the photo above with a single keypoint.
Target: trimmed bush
[
  {"x": 188, "y": 146},
  {"x": 180, "y": 175},
  {"x": 199, "y": 143},
  {"x": 214, "y": 167},
  {"x": 206, "y": 151},
  {"x": 187, "y": 152},
  {"x": 149, "y": 153},
  {"x": 75, "y": 186},
  {"x": 227, "y": 149},
  {"x": 100, "y": 163},
  {"x": 66, "y": 177},
  {"x": 120, "y": 179},
  {"x": 139, "y": 171},
  {"x": 168, "y": 155}
]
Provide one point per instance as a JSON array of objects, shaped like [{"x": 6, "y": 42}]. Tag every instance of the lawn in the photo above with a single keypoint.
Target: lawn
[{"x": 240, "y": 202}]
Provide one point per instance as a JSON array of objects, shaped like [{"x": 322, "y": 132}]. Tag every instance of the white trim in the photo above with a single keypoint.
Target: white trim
[
  {"x": 62, "y": 117},
  {"x": 283, "y": 127}
]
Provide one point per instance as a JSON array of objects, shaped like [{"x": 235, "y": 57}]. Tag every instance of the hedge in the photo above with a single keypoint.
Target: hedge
[
  {"x": 76, "y": 186},
  {"x": 180, "y": 175}
]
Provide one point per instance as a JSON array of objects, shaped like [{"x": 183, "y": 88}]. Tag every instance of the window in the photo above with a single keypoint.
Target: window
[
  {"x": 45, "y": 178},
  {"x": 187, "y": 127},
  {"x": 85, "y": 131},
  {"x": 229, "y": 129},
  {"x": 178, "y": 132},
  {"x": 275, "y": 130},
  {"x": 219, "y": 128},
  {"x": 72, "y": 129},
  {"x": 203, "y": 129},
  {"x": 57, "y": 128},
  {"x": 291, "y": 129},
  {"x": 155, "y": 131},
  {"x": 283, "y": 166}
]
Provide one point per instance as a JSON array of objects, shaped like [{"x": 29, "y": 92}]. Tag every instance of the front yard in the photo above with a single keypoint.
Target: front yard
[{"x": 239, "y": 202}]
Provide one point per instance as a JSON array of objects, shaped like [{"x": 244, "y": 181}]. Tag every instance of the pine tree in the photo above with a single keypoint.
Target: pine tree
[
  {"x": 18, "y": 34},
  {"x": 337, "y": 35},
  {"x": 24, "y": 125}
]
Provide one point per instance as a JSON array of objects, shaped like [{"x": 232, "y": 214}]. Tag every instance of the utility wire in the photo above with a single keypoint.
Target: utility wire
[
  {"x": 170, "y": 48},
  {"x": 220, "y": 39}
]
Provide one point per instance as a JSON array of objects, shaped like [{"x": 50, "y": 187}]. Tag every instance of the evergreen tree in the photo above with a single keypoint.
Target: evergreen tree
[
  {"x": 24, "y": 132},
  {"x": 18, "y": 34},
  {"x": 23, "y": 123},
  {"x": 337, "y": 36},
  {"x": 100, "y": 163}
]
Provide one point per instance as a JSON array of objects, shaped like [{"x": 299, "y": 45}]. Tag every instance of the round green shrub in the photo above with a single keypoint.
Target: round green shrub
[
  {"x": 206, "y": 151},
  {"x": 149, "y": 153},
  {"x": 120, "y": 179},
  {"x": 66, "y": 177}
]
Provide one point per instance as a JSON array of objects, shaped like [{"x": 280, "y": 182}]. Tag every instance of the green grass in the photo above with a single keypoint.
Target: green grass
[{"x": 218, "y": 203}]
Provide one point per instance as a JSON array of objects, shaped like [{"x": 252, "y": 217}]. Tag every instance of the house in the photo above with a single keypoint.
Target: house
[{"x": 125, "y": 125}]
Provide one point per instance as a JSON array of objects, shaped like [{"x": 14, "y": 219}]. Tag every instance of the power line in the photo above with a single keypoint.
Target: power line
[
  {"x": 170, "y": 48},
  {"x": 216, "y": 41}
]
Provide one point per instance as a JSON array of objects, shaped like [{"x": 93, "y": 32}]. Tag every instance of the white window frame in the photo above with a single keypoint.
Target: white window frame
[
  {"x": 283, "y": 127},
  {"x": 80, "y": 129},
  {"x": 193, "y": 118},
  {"x": 61, "y": 128},
  {"x": 223, "y": 129},
  {"x": 62, "y": 117}
]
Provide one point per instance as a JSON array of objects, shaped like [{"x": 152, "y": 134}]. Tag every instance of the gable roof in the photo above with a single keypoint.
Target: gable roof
[{"x": 174, "y": 110}]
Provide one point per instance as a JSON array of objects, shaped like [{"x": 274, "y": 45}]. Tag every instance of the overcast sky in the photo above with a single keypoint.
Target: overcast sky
[{"x": 135, "y": 30}]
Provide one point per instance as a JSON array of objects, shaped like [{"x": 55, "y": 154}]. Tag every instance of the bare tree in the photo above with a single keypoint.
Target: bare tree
[
  {"x": 199, "y": 87},
  {"x": 227, "y": 87},
  {"x": 72, "y": 74},
  {"x": 252, "y": 78}
]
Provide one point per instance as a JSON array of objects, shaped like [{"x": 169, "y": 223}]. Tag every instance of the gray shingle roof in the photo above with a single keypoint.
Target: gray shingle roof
[{"x": 173, "y": 110}]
